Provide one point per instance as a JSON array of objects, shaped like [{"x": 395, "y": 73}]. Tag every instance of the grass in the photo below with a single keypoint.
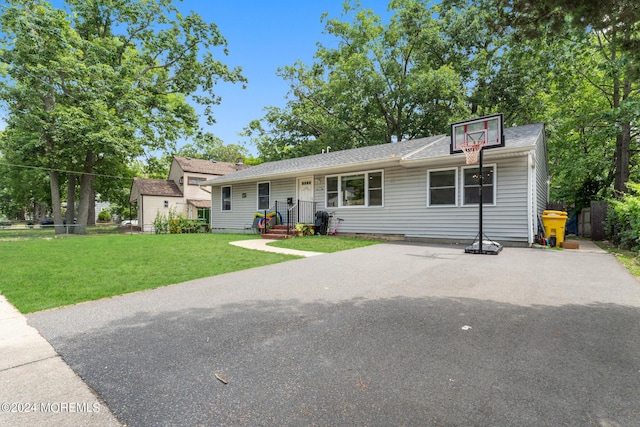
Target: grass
[
  {"x": 324, "y": 244},
  {"x": 47, "y": 272},
  {"x": 630, "y": 259},
  {"x": 37, "y": 232}
]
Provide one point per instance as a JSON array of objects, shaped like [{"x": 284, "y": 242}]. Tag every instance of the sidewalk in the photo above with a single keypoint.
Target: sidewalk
[
  {"x": 36, "y": 386},
  {"x": 261, "y": 245}
]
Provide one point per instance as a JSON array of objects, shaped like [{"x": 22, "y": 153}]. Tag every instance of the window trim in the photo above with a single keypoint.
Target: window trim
[
  {"x": 366, "y": 189},
  {"x": 494, "y": 184},
  {"x": 222, "y": 209},
  {"x": 258, "y": 208},
  {"x": 455, "y": 188}
]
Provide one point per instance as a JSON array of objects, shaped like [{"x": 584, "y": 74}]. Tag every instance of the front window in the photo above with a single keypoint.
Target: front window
[
  {"x": 332, "y": 192},
  {"x": 470, "y": 181},
  {"x": 353, "y": 190},
  {"x": 226, "y": 198},
  {"x": 375, "y": 189},
  {"x": 264, "y": 193},
  {"x": 441, "y": 187},
  {"x": 362, "y": 189}
]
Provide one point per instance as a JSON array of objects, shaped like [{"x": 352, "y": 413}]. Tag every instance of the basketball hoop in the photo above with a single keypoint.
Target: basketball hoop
[{"x": 471, "y": 149}]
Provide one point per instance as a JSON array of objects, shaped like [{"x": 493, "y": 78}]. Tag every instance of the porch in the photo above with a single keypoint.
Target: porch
[{"x": 279, "y": 221}]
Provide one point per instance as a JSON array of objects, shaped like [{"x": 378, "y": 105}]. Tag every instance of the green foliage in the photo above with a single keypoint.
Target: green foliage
[
  {"x": 623, "y": 219},
  {"x": 95, "y": 84},
  {"x": 208, "y": 146},
  {"x": 305, "y": 229},
  {"x": 176, "y": 223},
  {"x": 104, "y": 216}
]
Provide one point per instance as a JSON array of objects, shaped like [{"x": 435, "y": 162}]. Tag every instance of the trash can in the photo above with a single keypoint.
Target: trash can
[{"x": 554, "y": 223}]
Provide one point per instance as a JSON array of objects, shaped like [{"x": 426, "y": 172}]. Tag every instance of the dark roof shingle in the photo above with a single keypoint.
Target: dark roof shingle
[{"x": 157, "y": 187}]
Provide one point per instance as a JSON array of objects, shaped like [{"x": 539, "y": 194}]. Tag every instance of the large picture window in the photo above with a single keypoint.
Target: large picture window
[
  {"x": 441, "y": 187},
  {"x": 470, "y": 181},
  {"x": 226, "y": 198},
  {"x": 361, "y": 189},
  {"x": 264, "y": 195}
]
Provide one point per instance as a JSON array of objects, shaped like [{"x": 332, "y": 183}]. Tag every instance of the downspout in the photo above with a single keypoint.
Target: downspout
[{"x": 532, "y": 200}]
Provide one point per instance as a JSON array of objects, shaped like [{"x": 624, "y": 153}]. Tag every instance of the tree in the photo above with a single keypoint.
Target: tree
[
  {"x": 382, "y": 83},
  {"x": 615, "y": 43},
  {"x": 100, "y": 84},
  {"x": 426, "y": 68},
  {"x": 208, "y": 146}
]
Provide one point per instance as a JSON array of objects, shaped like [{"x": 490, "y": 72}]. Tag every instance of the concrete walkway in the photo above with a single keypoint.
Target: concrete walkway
[
  {"x": 263, "y": 245},
  {"x": 37, "y": 387}
]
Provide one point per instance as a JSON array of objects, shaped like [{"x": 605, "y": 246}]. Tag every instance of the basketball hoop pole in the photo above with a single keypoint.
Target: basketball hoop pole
[{"x": 481, "y": 182}]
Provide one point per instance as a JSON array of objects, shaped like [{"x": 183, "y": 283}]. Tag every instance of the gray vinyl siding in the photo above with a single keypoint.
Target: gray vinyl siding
[
  {"x": 242, "y": 210},
  {"x": 542, "y": 175},
  {"x": 405, "y": 211}
]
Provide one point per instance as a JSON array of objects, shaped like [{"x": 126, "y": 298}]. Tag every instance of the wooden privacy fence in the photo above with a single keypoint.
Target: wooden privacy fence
[{"x": 591, "y": 220}]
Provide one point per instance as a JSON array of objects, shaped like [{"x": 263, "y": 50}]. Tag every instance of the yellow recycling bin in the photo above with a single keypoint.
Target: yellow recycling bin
[{"x": 554, "y": 223}]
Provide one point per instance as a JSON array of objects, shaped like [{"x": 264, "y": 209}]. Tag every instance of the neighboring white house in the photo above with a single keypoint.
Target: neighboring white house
[
  {"x": 415, "y": 189},
  {"x": 180, "y": 192}
]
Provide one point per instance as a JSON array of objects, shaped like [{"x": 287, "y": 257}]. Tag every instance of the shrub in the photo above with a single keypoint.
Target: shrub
[
  {"x": 304, "y": 229},
  {"x": 623, "y": 219},
  {"x": 176, "y": 224},
  {"x": 104, "y": 216},
  {"x": 160, "y": 223}
]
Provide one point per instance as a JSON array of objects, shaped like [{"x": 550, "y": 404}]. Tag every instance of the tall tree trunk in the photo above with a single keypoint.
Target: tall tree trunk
[
  {"x": 71, "y": 202},
  {"x": 85, "y": 193},
  {"x": 623, "y": 139},
  {"x": 91, "y": 220},
  {"x": 56, "y": 204}
]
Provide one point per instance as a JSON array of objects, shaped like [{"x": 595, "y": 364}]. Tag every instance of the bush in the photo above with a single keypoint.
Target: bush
[
  {"x": 176, "y": 224},
  {"x": 160, "y": 224},
  {"x": 623, "y": 219},
  {"x": 104, "y": 216}
]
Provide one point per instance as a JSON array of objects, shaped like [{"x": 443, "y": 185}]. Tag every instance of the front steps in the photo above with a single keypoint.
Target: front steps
[{"x": 277, "y": 232}]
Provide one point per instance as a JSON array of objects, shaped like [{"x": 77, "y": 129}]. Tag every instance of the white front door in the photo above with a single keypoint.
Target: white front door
[
  {"x": 305, "y": 211},
  {"x": 305, "y": 188}
]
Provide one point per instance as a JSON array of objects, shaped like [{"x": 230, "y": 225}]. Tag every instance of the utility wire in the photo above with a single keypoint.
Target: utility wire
[{"x": 64, "y": 171}]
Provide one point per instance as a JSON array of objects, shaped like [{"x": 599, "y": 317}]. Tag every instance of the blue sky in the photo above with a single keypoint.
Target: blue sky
[{"x": 264, "y": 36}]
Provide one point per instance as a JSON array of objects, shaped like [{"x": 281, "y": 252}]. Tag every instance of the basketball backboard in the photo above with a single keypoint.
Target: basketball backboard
[{"x": 489, "y": 128}]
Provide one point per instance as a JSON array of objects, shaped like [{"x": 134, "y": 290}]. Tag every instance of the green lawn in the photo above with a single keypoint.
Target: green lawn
[
  {"x": 323, "y": 243},
  {"x": 47, "y": 272}
]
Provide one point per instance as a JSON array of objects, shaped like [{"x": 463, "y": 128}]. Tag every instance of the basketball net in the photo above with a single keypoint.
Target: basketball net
[
  {"x": 471, "y": 150},
  {"x": 472, "y": 145}
]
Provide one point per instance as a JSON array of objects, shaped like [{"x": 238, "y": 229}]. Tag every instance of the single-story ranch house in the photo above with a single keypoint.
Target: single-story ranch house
[
  {"x": 415, "y": 189},
  {"x": 180, "y": 192}
]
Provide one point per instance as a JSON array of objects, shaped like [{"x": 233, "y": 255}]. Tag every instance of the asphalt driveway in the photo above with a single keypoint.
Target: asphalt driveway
[{"x": 391, "y": 334}]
